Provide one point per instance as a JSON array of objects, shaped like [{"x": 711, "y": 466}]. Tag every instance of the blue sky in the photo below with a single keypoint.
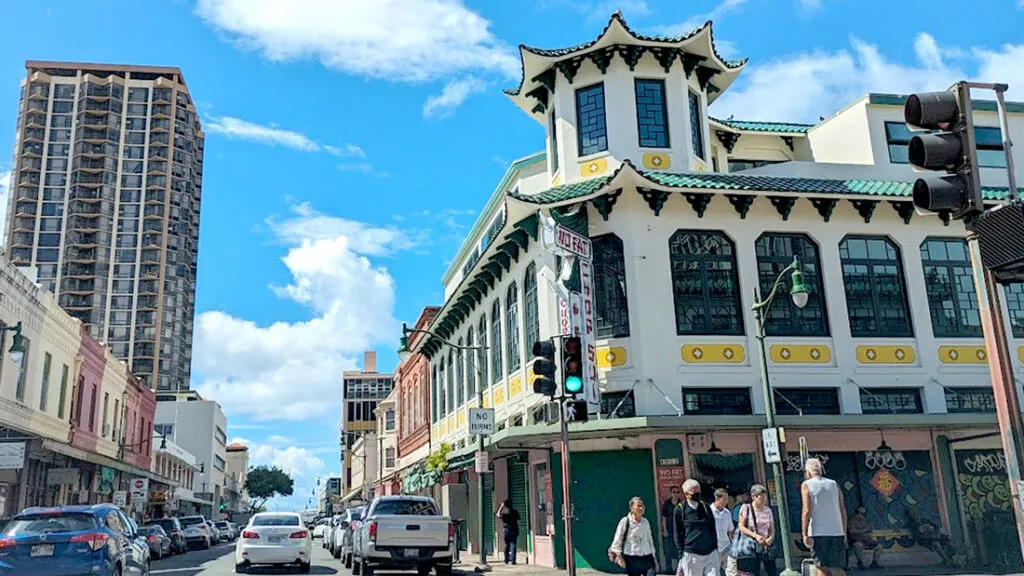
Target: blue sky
[{"x": 351, "y": 143}]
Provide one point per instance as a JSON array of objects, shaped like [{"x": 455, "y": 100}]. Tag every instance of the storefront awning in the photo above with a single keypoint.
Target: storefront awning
[
  {"x": 195, "y": 500},
  {"x": 351, "y": 494},
  {"x": 101, "y": 460}
]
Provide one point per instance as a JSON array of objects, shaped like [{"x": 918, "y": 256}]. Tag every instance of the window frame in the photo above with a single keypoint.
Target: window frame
[
  {"x": 813, "y": 278},
  {"x": 877, "y": 392},
  {"x": 604, "y": 261},
  {"x": 601, "y": 124},
  {"x": 697, "y": 139},
  {"x": 553, "y": 141},
  {"x": 497, "y": 370},
  {"x": 950, "y": 267},
  {"x": 460, "y": 375},
  {"x": 483, "y": 329},
  {"x": 666, "y": 142},
  {"x": 870, "y": 264},
  {"x": 512, "y": 334},
  {"x": 738, "y": 329},
  {"x": 531, "y": 311},
  {"x": 44, "y": 391},
  {"x": 452, "y": 383}
]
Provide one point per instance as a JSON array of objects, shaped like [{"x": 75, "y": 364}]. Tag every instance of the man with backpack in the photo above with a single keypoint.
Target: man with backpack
[{"x": 696, "y": 534}]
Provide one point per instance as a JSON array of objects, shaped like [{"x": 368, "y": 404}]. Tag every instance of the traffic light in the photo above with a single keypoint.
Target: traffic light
[
  {"x": 544, "y": 367},
  {"x": 572, "y": 364},
  {"x": 950, "y": 146},
  {"x": 223, "y": 507}
]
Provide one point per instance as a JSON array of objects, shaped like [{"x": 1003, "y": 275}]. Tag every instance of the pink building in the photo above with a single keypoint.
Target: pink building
[
  {"x": 86, "y": 396},
  {"x": 140, "y": 408}
]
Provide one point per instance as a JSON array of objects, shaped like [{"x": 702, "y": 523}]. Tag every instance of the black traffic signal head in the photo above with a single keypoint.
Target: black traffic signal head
[
  {"x": 544, "y": 367},
  {"x": 951, "y": 150},
  {"x": 572, "y": 364}
]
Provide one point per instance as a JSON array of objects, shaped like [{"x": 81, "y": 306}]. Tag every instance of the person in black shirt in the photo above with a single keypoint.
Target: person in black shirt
[
  {"x": 696, "y": 535},
  {"x": 510, "y": 520},
  {"x": 668, "y": 509}
]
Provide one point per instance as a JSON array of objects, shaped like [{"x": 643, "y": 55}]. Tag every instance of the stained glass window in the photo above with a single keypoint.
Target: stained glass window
[
  {"x": 532, "y": 316},
  {"x": 972, "y": 399},
  {"x": 806, "y": 401},
  {"x": 705, "y": 283},
  {"x": 611, "y": 307},
  {"x": 591, "y": 127},
  {"x": 512, "y": 328},
  {"x": 481, "y": 356},
  {"x": 949, "y": 283},
  {"x": 891, "y": 401},
  {"x": 460, "y": 378},
  {"x": 876, "y": 297},
  {"x": 442, "y": 405},
  {"x": 472, "y": 367},
  {"x": 496, "y": 371},
  {"x": 651, "y": 113},
  {"x": 696, "y": 126},
  {"x": 451, "y": 383},
  {"x": 717, "y": 401},
  {"x": 774, "y": 253}
]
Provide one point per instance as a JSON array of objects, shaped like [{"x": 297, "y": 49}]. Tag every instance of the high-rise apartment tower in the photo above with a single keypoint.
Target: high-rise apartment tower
[{"x": 105, "y": 195}]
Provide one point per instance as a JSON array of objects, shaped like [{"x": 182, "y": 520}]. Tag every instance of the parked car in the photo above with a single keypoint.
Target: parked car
[
  {"x": 197, "y": 533},
  {"x": 175, "y": 531},
  {"x": 320, "y": 530},
  {"x": 276, "y": 538},
  {"x": 332, "y": 527},
  {"x": 227, "y": 534},
  {"x": 214, "y": 531},
  {"x": 159, "y": 542},
  {"x": 97, "y": 540},
  {"x": 403, "y": 532},
  {"x": 349, "y": 523}
]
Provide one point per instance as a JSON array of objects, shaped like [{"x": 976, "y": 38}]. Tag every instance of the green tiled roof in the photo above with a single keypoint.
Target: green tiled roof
[
  {"x": 752, "y": 126},
  {"x": 743, "y": 183}
]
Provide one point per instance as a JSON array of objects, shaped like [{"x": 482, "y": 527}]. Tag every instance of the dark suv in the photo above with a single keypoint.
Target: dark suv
[{"x": 177, "y": 534}]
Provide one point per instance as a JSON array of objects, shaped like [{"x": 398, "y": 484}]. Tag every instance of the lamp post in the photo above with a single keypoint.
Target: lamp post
[
  {"x": 798, "y": 292},
  {"x": 17, "y": 349},
  {"x": 403, "y": 355}
]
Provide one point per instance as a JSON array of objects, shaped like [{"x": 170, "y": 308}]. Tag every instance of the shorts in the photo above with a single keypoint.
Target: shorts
[{"x": 829, "y": 551}]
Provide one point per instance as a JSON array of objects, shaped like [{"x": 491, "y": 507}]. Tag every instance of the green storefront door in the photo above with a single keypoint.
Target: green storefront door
[
  {"x": 489, "y": 512},
  {"x": 517, "y": 493},
  {"x": 603, "y": 482}
]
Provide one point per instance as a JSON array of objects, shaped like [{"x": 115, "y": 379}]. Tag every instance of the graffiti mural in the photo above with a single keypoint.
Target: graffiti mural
[{"x": 987, "y": 507}]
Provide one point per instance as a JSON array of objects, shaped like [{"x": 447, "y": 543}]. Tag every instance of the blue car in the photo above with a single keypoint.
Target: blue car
[{"x": 96, "y": 540}]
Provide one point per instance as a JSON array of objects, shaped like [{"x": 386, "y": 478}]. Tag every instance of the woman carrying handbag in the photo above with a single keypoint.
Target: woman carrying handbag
[
  {"x": 633, "y": 544},
  {"x": 752, "y": 544}
]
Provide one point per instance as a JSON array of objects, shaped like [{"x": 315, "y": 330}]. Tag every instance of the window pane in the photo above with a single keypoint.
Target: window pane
[
  {"x": 705, "y": 283},
  {"x": 532, "y": 317},
  {"x": 496, "y": 370},
  {"x": 651, "y": 114},
  {"x": 949, "y": 284},
  {"x": 590, "y": 120},
  {"x": 611, "y": 306},
  {"x": 696, "y": 126},
  {"x": 775, "y": 252},
  {"x": 876, "y": 301},
  {"x": 512, "y": 328}
]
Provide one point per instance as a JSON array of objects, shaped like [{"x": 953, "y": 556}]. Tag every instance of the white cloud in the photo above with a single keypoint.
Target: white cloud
[
  {"x": 452, "y": 96},
  {"x": 802, "y": 87},
  {"x": 810, "y": 4},
  {"x": 398, "y": 40},
  {"x": 348, "y": 150},
  {"x": 721, "y": 9},
  {"x": 245, "y": 130},
  {"x": 292, "y": 370},
  {"x": 599, "y": 9},
  {"x": 5, "y": 191},
  {"x": 300, "y": 463}
]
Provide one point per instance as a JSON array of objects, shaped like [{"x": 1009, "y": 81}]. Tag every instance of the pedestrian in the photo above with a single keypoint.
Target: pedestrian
[
  {"x": 758, "y": 522},
  {"x": 668, "y": 508},
  {"x": 510, "y": 521},
  {"x": 633, "y": 544},
  {"x": 858, "y": 531},
  {"x": 723, "y": 525},
  {"x": 823, "y": 520},
  {"x": 696, "y": 534},
  {"x": 741, "y": 499}
]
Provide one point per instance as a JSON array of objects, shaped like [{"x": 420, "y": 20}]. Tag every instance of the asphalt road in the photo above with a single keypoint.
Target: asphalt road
[{"x": 220, "y": 561}]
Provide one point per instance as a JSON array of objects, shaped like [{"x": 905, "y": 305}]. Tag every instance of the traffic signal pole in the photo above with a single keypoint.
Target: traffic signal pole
[{"x": 570, "y": 555}]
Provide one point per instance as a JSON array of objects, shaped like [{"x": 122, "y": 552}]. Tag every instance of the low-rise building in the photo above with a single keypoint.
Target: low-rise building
[
  {"x": 365, "y": 468},
  {"x": 387, "y": 481},
  {"x": 237, "y": 458},
  {"x": 174, "y": 462},
  {"x": 199, "y": 426}
]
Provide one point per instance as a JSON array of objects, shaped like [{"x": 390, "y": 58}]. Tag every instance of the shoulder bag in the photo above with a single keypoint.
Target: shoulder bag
[{"x": 743, "y": 546}]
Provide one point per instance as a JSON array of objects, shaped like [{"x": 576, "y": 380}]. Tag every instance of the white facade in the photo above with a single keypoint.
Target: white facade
[
  {"x": 199, "y": 426},
  {"x": 387, "y": 434},
  {"x": 174, "y": 462},
  {"x": 365, "y": 465}
]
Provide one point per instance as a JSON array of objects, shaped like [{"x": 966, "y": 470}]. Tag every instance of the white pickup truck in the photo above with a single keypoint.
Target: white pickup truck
[{"x": 401, "y": 533}]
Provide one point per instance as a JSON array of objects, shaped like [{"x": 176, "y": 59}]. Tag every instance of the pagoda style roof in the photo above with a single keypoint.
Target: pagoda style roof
[
  {"x": 789, "y": 128},
  {"x": 695, "y": 50}
]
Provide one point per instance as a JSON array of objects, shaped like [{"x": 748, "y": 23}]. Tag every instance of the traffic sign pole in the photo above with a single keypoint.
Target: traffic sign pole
[{"x": 570, "y": 556}]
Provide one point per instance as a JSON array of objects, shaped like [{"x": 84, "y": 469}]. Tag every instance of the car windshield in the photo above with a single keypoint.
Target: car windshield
[
  {"x": 192, "y": 521},
  {"x": 166, "y": 524},
  {"x": 151, "y": 529},
  {"x": 405, "y": 508},
  {"x": 272, "y": 520},
  {"x": 221, "y": 524},
  {"x": 47, "y": 523}
]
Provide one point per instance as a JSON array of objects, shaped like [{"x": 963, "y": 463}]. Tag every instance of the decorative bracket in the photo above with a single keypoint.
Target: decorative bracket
[
  {"x": 824, "y": 206},
  {"x": 570, "y": 67},
  {"x": 698, "y": 201},
  {"x": 865, "y": 208},
  {"x": 904, "y": 209},
  {"x": 655, "y": 198},
  {"x": 665, "y": 56},
  {"x": 604, "y": 204},
  {"x": 690, "y": 62},
  {"x": 540, "y": 94},
  {"x": 783, "y": 204},
  {"x": 546, "y": 79},
  {"x": 510, "y": 248},
  {"x": 538, "y": 108},
  {"x": 728, "y": 139},
  {"x": 741, "y": 203},
  {"x": 631, "y": 55},
  {"x": 503, "y": 259},
  {"x": 602, "y": 58},
  {"x": 704, "y": 75},
  {"x": 789, "y": 142}
]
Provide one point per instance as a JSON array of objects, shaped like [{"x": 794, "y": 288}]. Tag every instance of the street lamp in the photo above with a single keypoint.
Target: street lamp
[
  {"x": 798, "y": 292},
  {"x": 403, "y": 354},
  {"x": 17, "y": 349}
]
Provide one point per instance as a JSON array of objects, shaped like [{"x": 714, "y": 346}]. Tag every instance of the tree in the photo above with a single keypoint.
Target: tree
[{"x": 265, "y": 482}]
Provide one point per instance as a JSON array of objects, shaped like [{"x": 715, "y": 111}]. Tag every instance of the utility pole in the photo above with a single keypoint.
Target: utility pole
[{"x": 567, "y": 508}]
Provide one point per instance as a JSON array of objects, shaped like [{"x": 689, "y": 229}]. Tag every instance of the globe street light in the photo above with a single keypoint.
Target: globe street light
[
  {"x": 17, "y": 349},
  {"x": 799, "y": 295}
]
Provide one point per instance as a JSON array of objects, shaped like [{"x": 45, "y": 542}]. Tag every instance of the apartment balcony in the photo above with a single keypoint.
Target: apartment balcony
[
  {"x": 88, "y": 239},
  {"x": 148, "y": 287},
  {"x": 31, "y": 178},
  {"x": 145, "y": 319},
  {"x": 86, "y": 255},
  {"x": 156, "y": 167},
  {"x": 21, "y": 255},
  {"x": 151, "y": 256},
  {"x": 97, "y": 91},
  {"x": 75, "y": 286},
  {"x": 29, "y": 192},
  {"x": 159, "y": 139},
  {"x": 25, "y": 208},
  {"x": 156, "y": 197},
  {"x": 151, "y": 212},
  {"x": 95, "y": 107},
  {"x": 149, "y": 271},
  {"x": 31, "y": 150},
  {"x": 24, "y": 224},
  {"x": 94, "y": 122},
  {"x": 79, "y": 301},
  {"x": 147, "y": 302},
  {"x": 35, "y": 120},
  {"x": 84, "y": 223},
  {"x": 37, "y": 104},
  {"x": 80, "y": 270},
  {"x": 22, "y": 239}
]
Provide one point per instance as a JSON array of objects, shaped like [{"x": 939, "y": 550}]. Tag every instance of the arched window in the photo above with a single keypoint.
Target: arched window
[
  {"x": 460, "y": 380},
  {"x": 512, "y": 328},
  {"x": 451, "y": 383},
  {"x": 705, "y": 283},
  {"x": 949, "y": 283},
  {"x": 531, "y": 320},
  {"x": 496, "y": 372},
  {"x": 481, "y": 356},
  {"x": 774, "y": 253},
  {"x": 1013, "y": 295},
  {"x": 876, "y": 296},
  {"x": 441, "y": 404},
  {"x": 611, "y": 309},
  {"x": 471, "y": 365}
]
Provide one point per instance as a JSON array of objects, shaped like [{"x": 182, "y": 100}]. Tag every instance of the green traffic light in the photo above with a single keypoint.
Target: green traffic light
[{"x": 573, "y": 384}]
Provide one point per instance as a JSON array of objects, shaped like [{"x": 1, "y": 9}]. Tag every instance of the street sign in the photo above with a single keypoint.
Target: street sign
[
  {"x": 576, "y": 314},
  {"x": 590, "y": 389},
  {"x": 572, "y": 242},
  {"x": 12, "y": 455},
  {"x": 482, "y": 462},
  {"x": 770, "y": 441},
  {"x": 140, "y": 492},
  {"x": 481, "y": 421},
  {"x": 121, "y": 498},
  {"x": 564, "y": 319}
]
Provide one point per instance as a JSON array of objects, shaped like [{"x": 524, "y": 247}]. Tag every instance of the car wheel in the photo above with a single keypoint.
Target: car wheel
[
  {"x": 443, "y": 570},
  {"x": 367, "y": 570},
  {"x": 357, "y": 569},
  {"x": 145, "y": 569},
  {"x": 305, "y": 567},
  {"x": 336, "y": 552},
  {"x": 423, "y": 570},
  {"x": 117, "y": 570},
  {"x": 242, "y": 568},
  {"x": 348, "y": 561}
]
